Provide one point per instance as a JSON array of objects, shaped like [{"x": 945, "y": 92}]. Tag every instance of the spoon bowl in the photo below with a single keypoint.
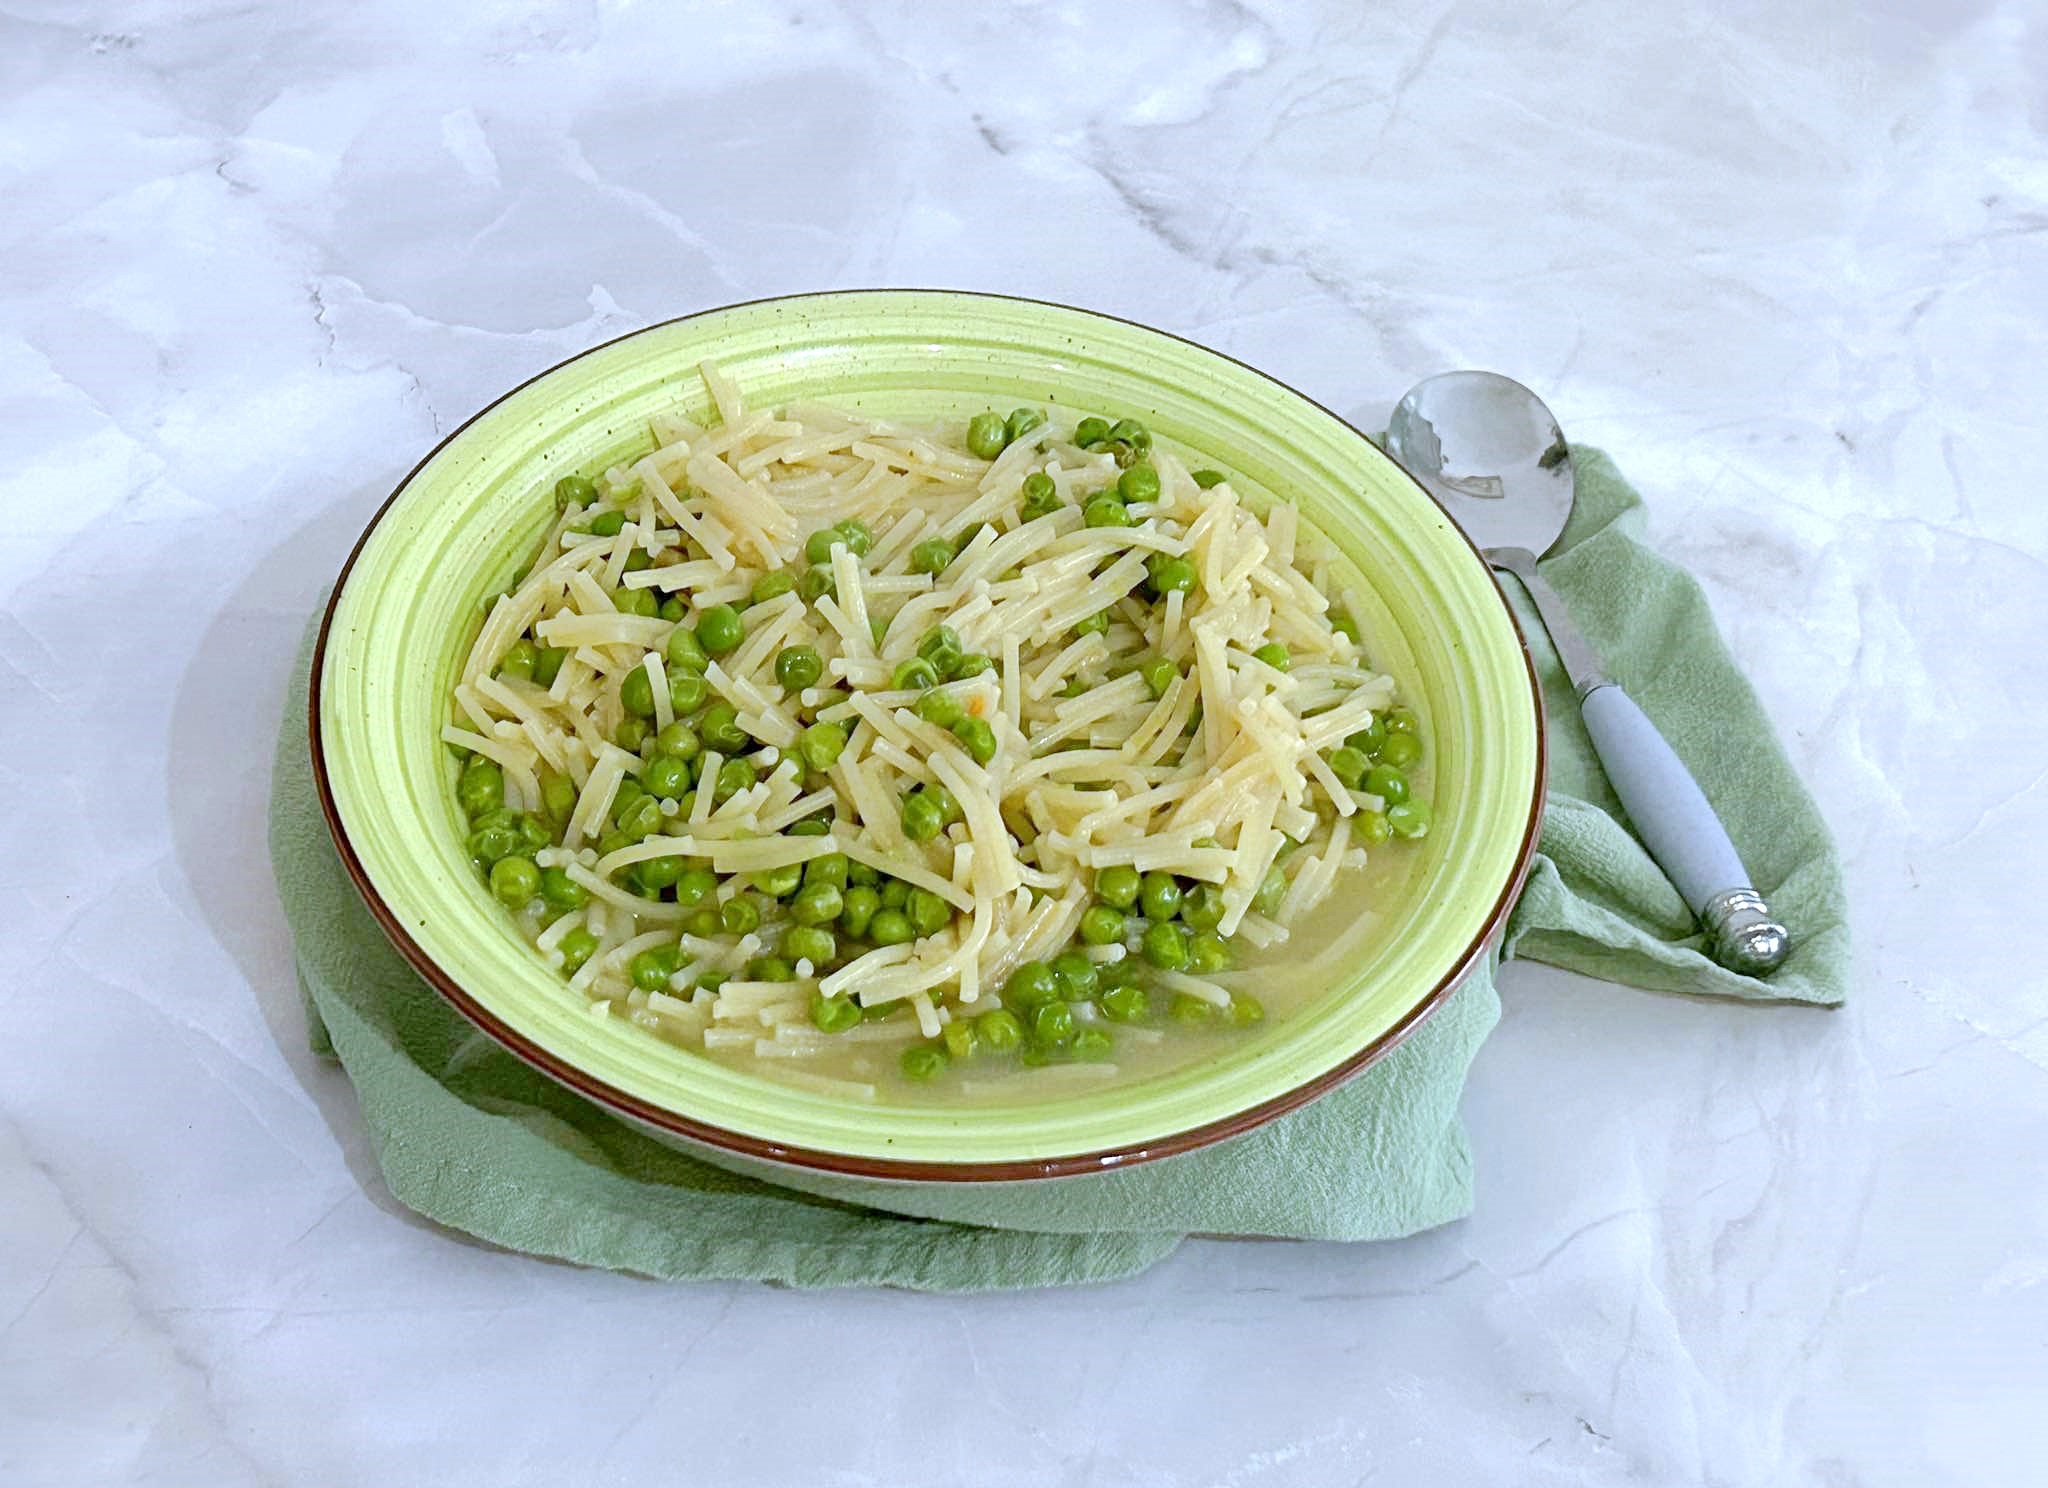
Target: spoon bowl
[{"x": 1491, "y": 454}]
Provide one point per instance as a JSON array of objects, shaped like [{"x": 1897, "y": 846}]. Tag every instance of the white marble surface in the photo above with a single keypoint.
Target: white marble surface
[{"x": 1787, "y": 262}]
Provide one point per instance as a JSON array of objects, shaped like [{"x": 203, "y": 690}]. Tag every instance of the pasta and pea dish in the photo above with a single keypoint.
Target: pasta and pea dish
[{"x": 982, "y": 757}]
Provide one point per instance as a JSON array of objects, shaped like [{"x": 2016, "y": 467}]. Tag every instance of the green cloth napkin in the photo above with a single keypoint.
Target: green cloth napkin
[{"x": 468, "y": 1136}]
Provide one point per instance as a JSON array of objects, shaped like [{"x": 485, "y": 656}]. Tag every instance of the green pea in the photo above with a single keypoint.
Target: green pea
[
  {"x": 859, "y": 541},
  {"x": 1118, "y": 886},
  {"x": 720, "y": 630},
  {"x": 941, "y": 708},
  {"x": 891, "y": 927},
  {"x": 682, "y": 653},
  {"x": 739, "y": 915},
  {"x": 734, "y": 776},
  {"x": 770, "y": 969},
  {"x": 1367, "y": 741},
  {"x": 817, "y": 904},
  {"x": 1094, "y": 1043},
  {"x": 641, "y": 602},
  {"x": 895, "y": 894},
  {"x": 925, "y": 1062},
  {"x": 968, "y": 535},
  {"x": 988, "y": 434},
  {"x": 1345, "y": 626},
  {"x": 778, "y": 883},
  {"x": 1410, "y": 819},
  {"x": 1191, "y": 1010},
  {"x": 928, "y": 912},
  {"x": 1091, "y": 432},
  {"x": 1038, "y": 486},
  {"x": 949, "y": 809},
  {"x": 922, "y": 820},
  {"x": 719, "y": 728},
  {"x": 1095, "y": 624},
  {"x": 573, "y": 490},
  {"x": 1159, "y": 674},
  {"x": 815, "y": 585},
  {"x": 999, "y": 1030},
  {"x": 960, "y": 1039},
  {"x": 1125, "y": 1004},
  {"x": 1101, "y": 925},
  {"x": 810, "y": 826},
  {"x": 914, "y": 673},
  {"x": 695, "y": 886},
  {"x": 636, "y": 693},
  {"x": 534, "y": 832},
  {"x": 1245, "y": 1010},
  {"x": 1139, "y": 483},
  {"x": 481, "y": 787},
  {"x": 1032, "y": 984},
  {"x": 1166, "y": 946},
  {"x": 1349, "y": 765},
  {"x": 932, "y": 556},
  {"x": 656, "y": 874},
  {"x": 1160, "y": 895},
  {"x": 642, "y": 819},
  {"x": 514, "y": 881},
  {"x": 821, "y": 745},
  {"x": 666, "y": 776},
  {"x": 673, "y": 610},
  {"x": 1105, "y": 511},
  {"x": 577, "y": 947},
  {"x": 711, "y": 981},
  {"x": 978, "y": 737},
  {"x": 561, "y": 891},
  {"x": 1370, "y": 828},
  {"x": 831, "y": 870},
  {"x": 1402, "y": 751},
  {"x": 858, "y": 910},
  {"x": 812, "y": 943},
  {"x": 1272, "y": 889},
  {"x": 1209, "y": 480},
  {"x": 1202, "y": 907},
  {"x": 1039, "y": 503},
  {"x": 607, "y": 524},
  {"x": 834, "y": 1014},
  {"x": 1208, "y": 952},
  {"x": 1170, "y": 575},
  {"x": 968, "y": 664},
  {"x": 637, "y": 560},
  {"x": 679, "y": 741},
  {"x": 940, "y": 640},
  {"x": 862, "y": 875},
  {"x": 1403, "y": 721},
  {"x": 771, "y": 585},
  {"x": 1133, "y": 433},
  {"x": 1388, "y": 783},
  {"x": 547, "y": 665},
  {"x": 1076, "y": 975},
  {"x": 1052, "y": 1024},
  {"x": 1274, "y": 655},
  {"x": 518, "y": 660},
  {"x": 819, "y": 545},
  {"x": 1022, "y": 421},
  {"x": 651, "y": 969}
]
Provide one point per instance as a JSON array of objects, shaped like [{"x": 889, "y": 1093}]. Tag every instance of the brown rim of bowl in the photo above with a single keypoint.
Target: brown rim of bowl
[{"x": 762, "y": 1149}]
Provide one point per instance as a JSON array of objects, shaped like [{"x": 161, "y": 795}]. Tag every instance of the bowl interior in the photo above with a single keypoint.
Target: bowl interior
[{"x": 469, "y": 517}]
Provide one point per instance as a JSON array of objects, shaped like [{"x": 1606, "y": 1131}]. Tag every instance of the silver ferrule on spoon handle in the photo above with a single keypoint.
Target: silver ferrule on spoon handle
[{"x": 1670, "y": 812}]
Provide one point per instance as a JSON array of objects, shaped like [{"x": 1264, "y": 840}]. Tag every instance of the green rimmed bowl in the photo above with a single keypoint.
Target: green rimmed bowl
[{"x": 407, "y": 608}]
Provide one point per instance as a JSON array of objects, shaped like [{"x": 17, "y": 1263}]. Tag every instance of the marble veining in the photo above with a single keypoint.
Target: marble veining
[{"x": 1786, "y": 262}]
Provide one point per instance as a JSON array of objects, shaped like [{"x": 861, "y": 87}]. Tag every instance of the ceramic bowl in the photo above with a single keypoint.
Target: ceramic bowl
[{"x": 408, "y": 606}]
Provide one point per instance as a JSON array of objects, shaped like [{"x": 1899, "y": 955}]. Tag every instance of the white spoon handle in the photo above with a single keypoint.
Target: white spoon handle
[{"x": 1678, "y": 825}]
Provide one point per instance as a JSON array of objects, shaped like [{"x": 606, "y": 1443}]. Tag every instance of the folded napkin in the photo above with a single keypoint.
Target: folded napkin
[{"x": 470, "y": 1137}]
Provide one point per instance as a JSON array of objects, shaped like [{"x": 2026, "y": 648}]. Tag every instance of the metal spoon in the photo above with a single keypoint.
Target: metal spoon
[{"x": 1495, "y": 459}]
